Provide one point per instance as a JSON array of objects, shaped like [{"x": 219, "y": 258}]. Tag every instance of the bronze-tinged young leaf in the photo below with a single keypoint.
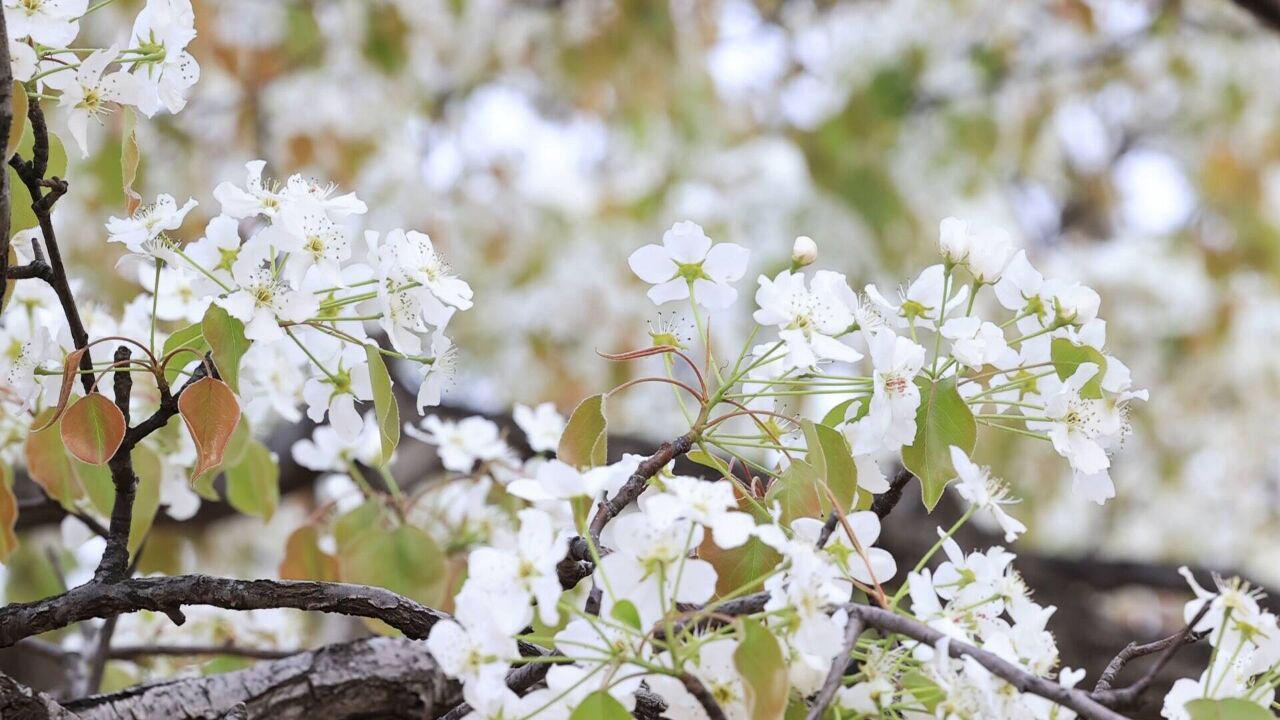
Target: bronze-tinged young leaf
[
  {"x": 253, "y": 484},
  {"x": 8, "y": 513},
  {"x": 93, "y": 428},
  {"x": 600, "y": 705},
  {"x": 210, "y": 411},
  {"x": 304, "y": 560},
  {"x": 942, "y": 420},
  {"x": 741, "y": 569},
  {"x": 49, "y": 463},
  {"x": 18, "y": 103},
  {"x": 225, "y": 336},
  {"x": 385, "y": 407},
  {"x": 70, "y": 370},
  {"x": 1068, "y": 357},
  {"x": 764, "y": 672},
  {"x": 585, "y": 442}
]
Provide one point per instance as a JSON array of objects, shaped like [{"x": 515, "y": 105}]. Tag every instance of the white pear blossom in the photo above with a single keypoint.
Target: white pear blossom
[
  {"x": 809, "y": 319},
  {"x": 88, "y": 94},
  {"x": 541, "y": 425},
  {"x": 985, "y": 493},
  {"x": 687, "y": 258},
  {"x": 48, "y": 22}
]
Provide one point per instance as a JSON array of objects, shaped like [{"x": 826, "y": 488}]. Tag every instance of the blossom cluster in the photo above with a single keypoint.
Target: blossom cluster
[
  {"x": 151, "y": 71},
  {"x": 665, "y": 572}
]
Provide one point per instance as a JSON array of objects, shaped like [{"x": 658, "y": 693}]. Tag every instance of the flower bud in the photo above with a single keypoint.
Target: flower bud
[{"x": 803, "y": 252}]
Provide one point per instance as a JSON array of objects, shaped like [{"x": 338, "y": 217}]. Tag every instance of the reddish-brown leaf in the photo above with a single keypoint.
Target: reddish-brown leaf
[
  {"x": 48, "y": 462},
  {"x": 93, "y": 428},
  {"x": 211, "y": 412},
  {"x": 70, "y": 368},
  {"x": 304, "y": 560}
]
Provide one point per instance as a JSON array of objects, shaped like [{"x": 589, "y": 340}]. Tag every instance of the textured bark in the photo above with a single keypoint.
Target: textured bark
[
  {"x": 380, "y": 677},
  {"x": 170, "y": 594},
  {"x": 22, "y": 703}
]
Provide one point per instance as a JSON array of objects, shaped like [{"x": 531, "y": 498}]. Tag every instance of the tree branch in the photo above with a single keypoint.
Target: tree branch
[
  {"x": 170, "y": 594},
  {"x": 1020, "y": 679},
  {"x": 852, "y": 629},
  {"x": 1128, "y": 697}
]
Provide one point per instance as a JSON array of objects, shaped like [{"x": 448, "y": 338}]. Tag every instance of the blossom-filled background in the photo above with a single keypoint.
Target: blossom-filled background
[{"x": 1132, "y": 146}]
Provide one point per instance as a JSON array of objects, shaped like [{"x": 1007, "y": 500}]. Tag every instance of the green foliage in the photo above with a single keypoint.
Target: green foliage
[
  {"x": 600, "y": 705},
  {"x": 384, "y": 403},
  {"x": 1227, "y": 709},
  {"x": 585, "y": 442},
  {"x": 253, "y": 483},
  {"x": 759, "y": 660},
  {"x": 1068, "y": 357},
  {"x": 942, "y": 420},
  {"x": 225, "y": 337}
]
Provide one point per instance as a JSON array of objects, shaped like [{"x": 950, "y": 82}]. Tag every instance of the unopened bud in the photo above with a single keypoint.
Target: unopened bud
[{"x": 803, "y": 252}]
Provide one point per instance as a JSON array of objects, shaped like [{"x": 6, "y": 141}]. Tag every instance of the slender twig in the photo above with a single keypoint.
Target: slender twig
[
  {"x": 115, "y": 557},
  {"x": 1020, "y": 679},
  {"x": 852, "y": 629},
  {"x": 1167, "y": 647},
  {"x": 703, "y": 696}
]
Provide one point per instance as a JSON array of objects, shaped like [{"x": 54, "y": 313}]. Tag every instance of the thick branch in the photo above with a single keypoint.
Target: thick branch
[
  {"x": 379, "y": 677},
  {"x": 115, "y": 557},
  {"x": 170, "y": 594}
]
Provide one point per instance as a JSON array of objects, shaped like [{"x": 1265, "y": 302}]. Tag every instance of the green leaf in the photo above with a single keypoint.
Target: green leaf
[
  {"x": 742, "y": 568},
  {"x": 405, "y": 560},
  {"x": 1068, "y": 357},
  {"x": 831, "y": 457},
  {"x": 146, "y": 502},
  {"x": 626, "y": 612},
  {"x": 797, "y": 492},
  {"x": 22, "y": 217},
  {"x": 836, "y": 415},
  {"x": 923, "y": 689},
  {"x": 92, "y": 428},
  {"x": 704, "y": 459},
  {"x": 600, "y": 705},
  {"x": 253, "y": 485},
  {"x": 585, "y": 442},
  {"x": 191, "y": 336},
  {"x": 225, "y": 336},
  {"x": 764, "y": 672},
  {"x": 384, "y": 403},
  {"x": 943, "y": 420},
  {"x": 97, "y": 484},
  {"x": 1227, "y": 709},
  {"x": 356, "y": 523}
]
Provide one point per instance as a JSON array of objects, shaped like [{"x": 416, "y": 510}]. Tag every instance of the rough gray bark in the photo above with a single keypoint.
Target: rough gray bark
[
  {"x": 21, "y": 703},
  {"x": 379, "y": 677}
]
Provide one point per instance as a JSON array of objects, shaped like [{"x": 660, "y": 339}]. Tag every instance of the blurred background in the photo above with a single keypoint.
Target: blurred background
[{"x": 1129, "y": 144}]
